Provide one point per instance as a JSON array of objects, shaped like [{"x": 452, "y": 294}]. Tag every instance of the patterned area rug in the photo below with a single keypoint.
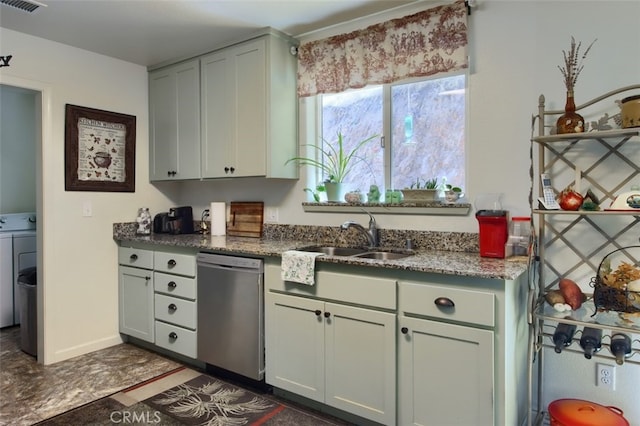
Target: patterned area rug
[
  {"x": 209, "y": 401},
  {"x": 187, "y": 397}
]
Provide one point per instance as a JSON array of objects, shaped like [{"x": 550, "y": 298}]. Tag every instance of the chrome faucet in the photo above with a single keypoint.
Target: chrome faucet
[{"x": 371, "y": 233}]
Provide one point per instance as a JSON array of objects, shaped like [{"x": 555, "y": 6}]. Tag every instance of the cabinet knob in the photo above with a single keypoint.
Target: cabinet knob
[
  {"x": 133, "y": 257},
  {"x": 444, "y": 302},
  {"x": 327, "y": 314},
  {"x": 147, "y": 278},
  {"x": 318, "y": 312},
  {"x": 233, "y": 169},
  {"x": 173, "y": 335},
  {"x": 226, "y": 170},
  {"x": 173, "y": 307},
  {"x": 171, "y": 173},
  {"x": 404, "y": 330},
  {"x": 171, "y": 263},
  {"x": 172, "y": 284}
]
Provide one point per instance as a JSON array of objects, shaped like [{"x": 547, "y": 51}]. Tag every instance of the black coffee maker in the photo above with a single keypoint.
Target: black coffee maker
[{"x": 179, "y": 220}]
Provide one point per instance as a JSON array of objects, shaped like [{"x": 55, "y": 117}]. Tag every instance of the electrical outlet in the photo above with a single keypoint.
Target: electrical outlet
[
  {"x": 271, "y": 214},
  {"x": 606, "y": 376}
]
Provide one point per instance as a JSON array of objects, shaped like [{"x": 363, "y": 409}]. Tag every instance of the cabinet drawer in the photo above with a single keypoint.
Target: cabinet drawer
[
  {"x": 181, "y": 264},
  {"x": 176, "y": 311},
  {"x": 138, "y": 258},
  {"x": 470, "y": 306},
  {"x": 175, "y": 285},
  {"x": 176, "y": 339},
  {"x": 353, "y": 288}
]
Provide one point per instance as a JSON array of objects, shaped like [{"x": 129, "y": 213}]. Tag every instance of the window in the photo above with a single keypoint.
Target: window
[{"x": 424, "y": 125}]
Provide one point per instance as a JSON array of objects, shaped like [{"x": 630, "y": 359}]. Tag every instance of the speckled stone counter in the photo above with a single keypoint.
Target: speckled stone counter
[{"x": 444, "y": 253}]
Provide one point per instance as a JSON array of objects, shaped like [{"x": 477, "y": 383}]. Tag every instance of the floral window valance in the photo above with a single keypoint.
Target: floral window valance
[{"x": 426, "y": 43}]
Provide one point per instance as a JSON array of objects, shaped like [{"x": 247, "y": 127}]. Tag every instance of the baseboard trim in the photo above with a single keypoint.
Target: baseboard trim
[{"x": 85, "y": 348}]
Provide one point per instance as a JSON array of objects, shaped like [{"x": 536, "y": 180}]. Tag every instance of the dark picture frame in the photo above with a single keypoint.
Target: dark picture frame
[{"x": 100, "y": 150}]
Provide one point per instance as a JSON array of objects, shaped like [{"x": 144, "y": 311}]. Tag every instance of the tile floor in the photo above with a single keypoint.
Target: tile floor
[{"x": 31, "y": 392}]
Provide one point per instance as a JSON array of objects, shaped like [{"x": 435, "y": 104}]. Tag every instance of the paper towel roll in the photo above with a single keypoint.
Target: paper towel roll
[{"x": 218, "y": 214}]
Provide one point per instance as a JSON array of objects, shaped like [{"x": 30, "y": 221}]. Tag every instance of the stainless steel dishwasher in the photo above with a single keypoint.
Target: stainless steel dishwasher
[{"x": 231, "y": 313}]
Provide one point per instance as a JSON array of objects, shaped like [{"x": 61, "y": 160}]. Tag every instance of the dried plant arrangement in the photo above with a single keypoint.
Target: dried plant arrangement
[{"x": 573, "y": 63}]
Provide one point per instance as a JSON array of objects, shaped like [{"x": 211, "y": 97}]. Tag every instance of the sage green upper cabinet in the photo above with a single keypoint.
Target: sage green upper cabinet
[
  {"x": 174, "y": 122},
  {"x": 249, "y": 109}
]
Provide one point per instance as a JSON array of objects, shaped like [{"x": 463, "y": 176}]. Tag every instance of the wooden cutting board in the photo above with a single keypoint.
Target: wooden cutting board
[{"x": 245, "y": 219}]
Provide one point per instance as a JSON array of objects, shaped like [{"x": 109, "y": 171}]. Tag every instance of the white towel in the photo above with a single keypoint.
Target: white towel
[{"x": 299, "y": 266}]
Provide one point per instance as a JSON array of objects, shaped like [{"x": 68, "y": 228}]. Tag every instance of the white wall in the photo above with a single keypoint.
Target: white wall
[
  {"x": 516, "y": 47},
  {"x": 77, "y": 255}
]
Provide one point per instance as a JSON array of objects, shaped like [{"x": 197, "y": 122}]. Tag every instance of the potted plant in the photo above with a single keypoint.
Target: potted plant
[
  {"x": 421, "y": 190},
  {"x": 452, "y": 193},
  {"x": 335, "y": 162}
]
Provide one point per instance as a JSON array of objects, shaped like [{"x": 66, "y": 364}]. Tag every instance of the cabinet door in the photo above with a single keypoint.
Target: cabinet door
[
  {"x": 174, "y": 122},
  {"x": 249, "y": 69},
  {"x": 217, "y": 106},
  {"x": 136, "y": 303},
  {"x": 446, "y": 374},
  {"x": 361, "y": 362},
  {"x": 234, "y": 118},
  {"x": 294, "y": 345}
]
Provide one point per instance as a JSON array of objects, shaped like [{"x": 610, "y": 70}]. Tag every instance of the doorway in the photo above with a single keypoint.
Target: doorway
[{"x": 36, "y": 123}]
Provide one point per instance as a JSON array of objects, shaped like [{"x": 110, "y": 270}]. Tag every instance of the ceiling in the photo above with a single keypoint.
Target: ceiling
[{"x": 150, "y": 32}]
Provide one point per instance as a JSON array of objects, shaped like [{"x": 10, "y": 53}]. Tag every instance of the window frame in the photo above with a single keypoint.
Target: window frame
[{"x": 387, "y": 121}]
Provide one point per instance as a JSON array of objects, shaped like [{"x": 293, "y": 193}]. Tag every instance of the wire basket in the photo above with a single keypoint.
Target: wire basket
[{"x": 615, "y": 272}]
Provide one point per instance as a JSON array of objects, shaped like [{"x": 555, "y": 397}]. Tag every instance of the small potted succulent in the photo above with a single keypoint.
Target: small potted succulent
[
  {"x": 421, "y": 190},
  {"x": 452, "y": 193},
  {"x": 316, "y": 193}
]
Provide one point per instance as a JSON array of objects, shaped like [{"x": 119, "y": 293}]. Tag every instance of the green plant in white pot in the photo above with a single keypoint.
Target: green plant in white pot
[{"x": 335, "y": 162}]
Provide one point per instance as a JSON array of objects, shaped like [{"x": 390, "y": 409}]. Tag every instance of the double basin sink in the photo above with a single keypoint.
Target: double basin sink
[{"x": 362, "y": 253}]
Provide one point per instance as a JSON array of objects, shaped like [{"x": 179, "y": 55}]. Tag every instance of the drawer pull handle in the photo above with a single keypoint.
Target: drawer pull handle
[
  {"x": 172, "y": 284},
  {"x": 318, "y": 312},
  {"x": 404, "y": 330},
  {"x": 171, "y": 263},
  {"x": 327, "y": 314},
  {"x": 133, "y": 257},
  {"x": 173, "y": 335},
  {"x": 173, "y": 307},
  {"x": 444, "y": 302}
]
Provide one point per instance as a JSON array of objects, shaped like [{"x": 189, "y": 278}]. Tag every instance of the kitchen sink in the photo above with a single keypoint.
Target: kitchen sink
[
  {"x": 360, "y": 252},
  {"x": 335, "y": 251},
  {"x": 382, "y": 255}
]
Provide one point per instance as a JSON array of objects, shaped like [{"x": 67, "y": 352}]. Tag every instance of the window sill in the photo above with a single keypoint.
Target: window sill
[{"x": 433, "y": 208}]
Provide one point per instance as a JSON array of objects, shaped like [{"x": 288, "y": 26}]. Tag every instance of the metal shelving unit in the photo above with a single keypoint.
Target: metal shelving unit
[{"x": 571, "y": 244}]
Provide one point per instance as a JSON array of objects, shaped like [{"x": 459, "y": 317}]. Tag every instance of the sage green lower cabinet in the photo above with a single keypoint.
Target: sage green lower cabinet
[
  {"x": 322, "y": 347},
  {"x": 455, "y": 345},
  {"x": 440, "y": 365},
  {"x": 135, "y": 281},
  {"x": 460, "y": 351},
  {"x": 158, "y": 298}
]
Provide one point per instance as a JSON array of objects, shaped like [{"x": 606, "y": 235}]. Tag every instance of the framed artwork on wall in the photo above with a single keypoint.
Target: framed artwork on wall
[{"x": 100, "y": 150}]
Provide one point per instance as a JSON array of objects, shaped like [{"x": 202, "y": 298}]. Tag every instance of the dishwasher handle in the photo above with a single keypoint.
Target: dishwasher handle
[{"x": 218, "y": 261}]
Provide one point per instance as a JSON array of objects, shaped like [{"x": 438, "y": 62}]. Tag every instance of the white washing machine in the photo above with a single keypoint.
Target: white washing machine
[
  {"x": 17, "y": 251},
  {"x": 6, "y": 279}
]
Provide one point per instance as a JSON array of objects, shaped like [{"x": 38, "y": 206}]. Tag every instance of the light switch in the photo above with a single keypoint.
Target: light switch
[{"x": 87, "y": 210}]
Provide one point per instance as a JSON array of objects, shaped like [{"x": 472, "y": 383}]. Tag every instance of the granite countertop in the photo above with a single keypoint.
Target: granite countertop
[{"x": 434, "y": 261}]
